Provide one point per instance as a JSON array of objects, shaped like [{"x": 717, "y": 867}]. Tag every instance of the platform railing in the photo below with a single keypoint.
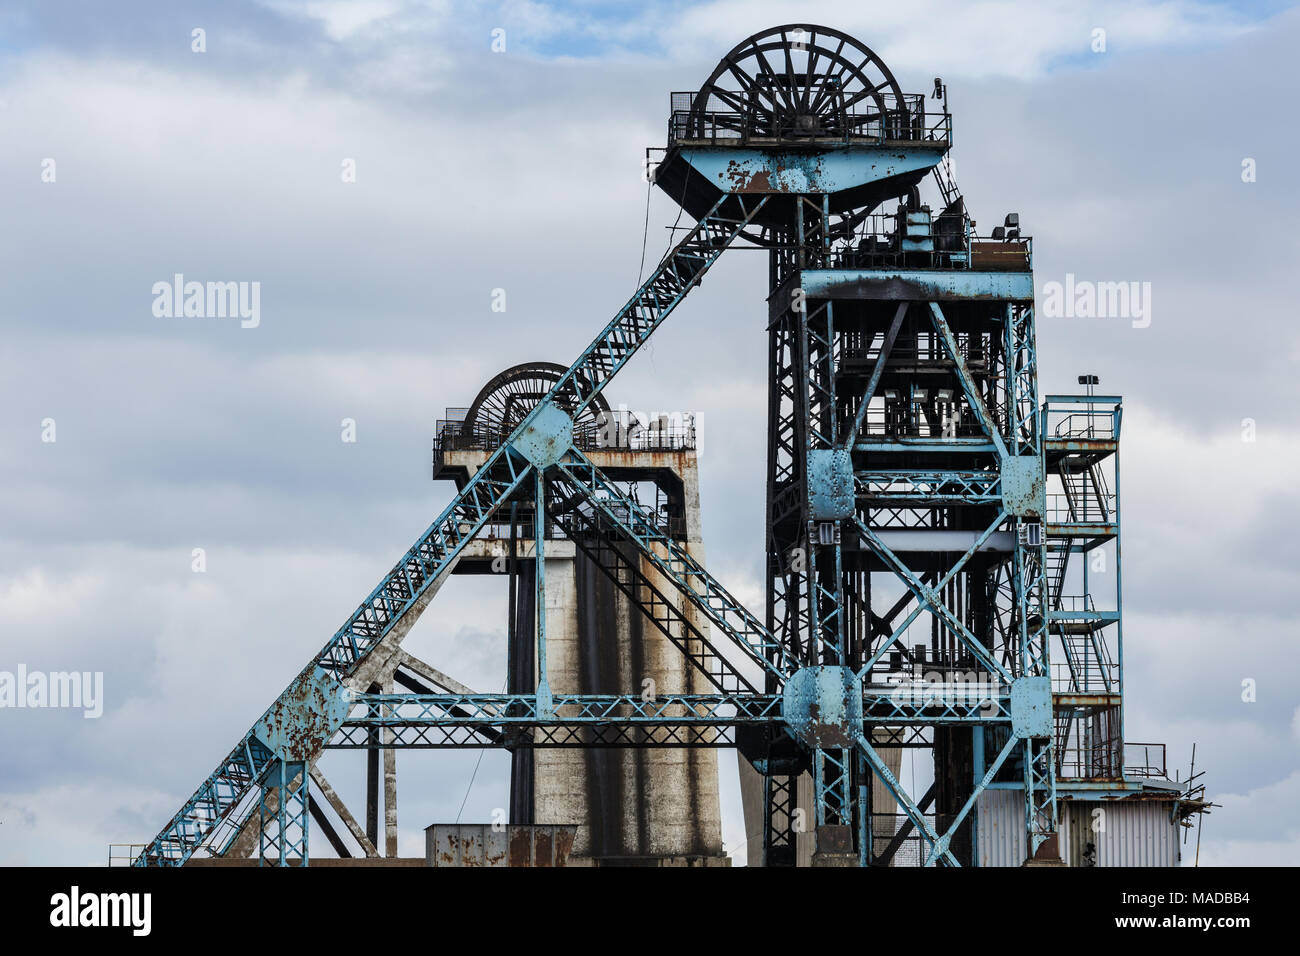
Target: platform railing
[
  {"x": 1081, "y": 417},
  {"x": 1086, "y": 676},
  {"x": 1098, "y": 761},
  {"x": 450, "y": 435},
  {"x": 1145, "y": 760},
  {"x": 1086, "y": 509},
  {"x": 124, "y": 854},
  {"x": 903, "y": 120}
]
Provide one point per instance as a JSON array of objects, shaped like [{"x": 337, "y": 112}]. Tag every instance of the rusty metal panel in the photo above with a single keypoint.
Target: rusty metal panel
[
  {"x": 488, "y": 845},
  {"x": 1023, "y": 486},
  {"x": 562, "y": 843},
  {"x": 543, "y": 849},
  {"x": 996, "y": 256},
  {"x": 744, "y": 169},
  {"x": 1031, "y": 707},
  {"x": 305, "y": 716},
  {"x": 823, "y": 706},
  {"x": 521, "y": 847}
]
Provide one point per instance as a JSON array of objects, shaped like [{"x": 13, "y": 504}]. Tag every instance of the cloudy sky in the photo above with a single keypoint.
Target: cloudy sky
[{"x": 127, "y": 157}]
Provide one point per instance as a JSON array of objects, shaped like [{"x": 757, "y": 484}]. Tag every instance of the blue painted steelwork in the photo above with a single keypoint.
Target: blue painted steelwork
[
  {"x": 806, "y": 172},
  {"x": 918, "y": 285},
  {"x": 830, "y": 483},
  {"x": 848, "y": 475}
]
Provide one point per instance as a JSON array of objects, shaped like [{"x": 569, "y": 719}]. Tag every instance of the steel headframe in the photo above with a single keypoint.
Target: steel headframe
[{"x": 839, "y": 494}]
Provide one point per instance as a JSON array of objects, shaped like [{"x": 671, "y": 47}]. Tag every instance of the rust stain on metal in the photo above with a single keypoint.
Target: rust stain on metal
[
  {"x": 299, "y": 723},
  {"x": 492, "y": 845},
  {"x": 564, "y": 837},
  {"x": 542, "y": 847},
  {"x": 521, "y": 847},
  {"x": 744, "y": 181}
]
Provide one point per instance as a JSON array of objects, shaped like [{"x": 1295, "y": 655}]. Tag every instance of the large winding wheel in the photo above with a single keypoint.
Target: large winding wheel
[{"x": 800, "y": 81}]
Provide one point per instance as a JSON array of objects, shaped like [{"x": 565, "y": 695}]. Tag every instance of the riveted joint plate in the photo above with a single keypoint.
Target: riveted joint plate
[
  {"x": 822, "y": 706},
  {"x": 1023, "y": 489},
  {"x": 830, "y": 483},
  {"x": 1031, "y": 707},
  {"x": 547, "y": 437},
  {"x": 306, "y": 716}
]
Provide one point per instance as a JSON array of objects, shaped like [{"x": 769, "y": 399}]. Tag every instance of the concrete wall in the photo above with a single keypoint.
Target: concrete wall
[
  {"x": 655, "y": 806},
  {"x": 633, "y": 805}
]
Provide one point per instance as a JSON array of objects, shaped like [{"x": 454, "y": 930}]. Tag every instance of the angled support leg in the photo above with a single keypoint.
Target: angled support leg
[
  {"x": 680, "y": 630},
  {"x": 630, "y": 522},
  {"x": 941, "y": 845},
  {"x": 877, "y": 372},
  {"x": 968, "y": 385},
  {"x": 215, "y": 813},
  {"x": 914, "y": 813},
  {"x": 341, "y": 808}
]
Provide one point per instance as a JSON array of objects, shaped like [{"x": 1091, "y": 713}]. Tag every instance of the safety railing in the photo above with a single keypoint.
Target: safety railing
[
  {"x": 1145, "y": 760},
  {"x": 1081, "y": 417},
  {"x": 1076, "y": 603},
  {"x": 452, "y": 435},
  {"x": 895, "y": 416},
  {"x": 1085, "y": 675},
  {"x": 1078, "y": 761},
  {"x": 124, "y": 854},
  {"x": 902, "y": 120},
  {"x": 1087, "y": 508}
]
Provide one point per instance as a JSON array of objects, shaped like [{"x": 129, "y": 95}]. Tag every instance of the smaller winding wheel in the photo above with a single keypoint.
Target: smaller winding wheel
[{"x": 503, "y": 402}]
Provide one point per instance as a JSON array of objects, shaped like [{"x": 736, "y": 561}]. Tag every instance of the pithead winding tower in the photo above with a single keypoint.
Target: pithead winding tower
[{"x": 907, "y": 466}]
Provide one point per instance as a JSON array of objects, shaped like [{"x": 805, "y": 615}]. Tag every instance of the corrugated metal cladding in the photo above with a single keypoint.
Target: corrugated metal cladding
[
  {"x": 1128, "y": 833},
  {"x": 1001, "y": 839},
  {"x": 483, "y": 844}
]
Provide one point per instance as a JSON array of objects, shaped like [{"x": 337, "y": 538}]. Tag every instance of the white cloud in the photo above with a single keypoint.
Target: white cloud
[
  {"x": 990, "y": 38},
  {"x": 343, "y": 19}
]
